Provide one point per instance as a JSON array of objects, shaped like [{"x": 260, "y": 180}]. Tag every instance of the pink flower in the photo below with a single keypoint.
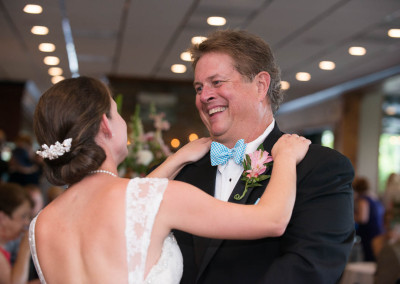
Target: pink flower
[{"x": 258, "y": 160}]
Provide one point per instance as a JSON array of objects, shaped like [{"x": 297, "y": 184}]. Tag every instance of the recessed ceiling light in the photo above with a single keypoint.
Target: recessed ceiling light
[
  {"x": 47, "y": 47},
  {"x": 327, "y": 65},
  {"x": 394, "y": 33},
  {"x": 33, "y": 9},
  {"x": 178, "y": 68},
  {"x": 57, "y": 79},
  {"x": 40, "y": 30},
  {"x": 303, "y": 76},
  {"x": 198, "y": 39},
  {"x": 55, "y": 71},
  {"x": 51, "y": 60},
  {"x": 285, "y": 85},
  {"x": 357, "y": 50},
  {"x": 216, "y": 21},
  {"x": 185, "y": 56}
]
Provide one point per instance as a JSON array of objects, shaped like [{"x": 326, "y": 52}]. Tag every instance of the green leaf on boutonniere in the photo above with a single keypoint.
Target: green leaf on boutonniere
[{"x": 261, "y": 161}]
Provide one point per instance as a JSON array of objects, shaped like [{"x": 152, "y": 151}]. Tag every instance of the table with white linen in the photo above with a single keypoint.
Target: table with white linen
[{"x": 359, "y": 273}]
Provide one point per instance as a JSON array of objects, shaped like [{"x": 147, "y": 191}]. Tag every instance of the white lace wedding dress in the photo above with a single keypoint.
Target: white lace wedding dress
[{"x": 143, "y": 199}]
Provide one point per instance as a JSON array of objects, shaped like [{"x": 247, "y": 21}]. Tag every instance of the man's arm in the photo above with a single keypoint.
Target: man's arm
[{"x": 318, "y": 240}]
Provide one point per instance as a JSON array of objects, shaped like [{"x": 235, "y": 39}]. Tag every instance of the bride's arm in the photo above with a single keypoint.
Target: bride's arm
[
  {"x": 189, "y": 153},
  {"x": 189, "y": 209}
]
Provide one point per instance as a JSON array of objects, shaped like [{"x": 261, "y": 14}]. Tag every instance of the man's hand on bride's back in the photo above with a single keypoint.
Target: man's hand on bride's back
[
  {"x": 195, "y": 150},
  {"x": 291, "y": 146}
]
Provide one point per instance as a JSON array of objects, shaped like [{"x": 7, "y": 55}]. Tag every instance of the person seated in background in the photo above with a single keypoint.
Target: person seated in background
[
  {"x": 15, "y": 215},
  {"x": 391, "y": 195},
  {"x": 24, "y": 166},
  {"x": 390, "y": 235},
  {"x": 388, "y": 264},
  {"x": 36, "y": 196},
  {"x": 368, "y": 215}
]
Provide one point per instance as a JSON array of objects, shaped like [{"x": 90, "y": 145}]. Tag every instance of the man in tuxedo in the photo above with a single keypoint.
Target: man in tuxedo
[{"x": 237, "y": 87}]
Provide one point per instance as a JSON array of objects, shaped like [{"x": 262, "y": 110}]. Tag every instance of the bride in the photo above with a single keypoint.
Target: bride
[{"x": 106, "y": 229}]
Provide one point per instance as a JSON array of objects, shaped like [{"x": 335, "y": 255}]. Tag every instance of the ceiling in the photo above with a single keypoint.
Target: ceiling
[{"x": 131, "y": 38}]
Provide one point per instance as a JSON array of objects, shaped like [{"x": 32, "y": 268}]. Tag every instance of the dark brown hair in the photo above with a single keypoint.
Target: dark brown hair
[
  {"x": 250, "y": 53},
  {"x": 12, "y": 196},
  {"x": 360, "y": 185},
  {"x": 72, "y": 108}
]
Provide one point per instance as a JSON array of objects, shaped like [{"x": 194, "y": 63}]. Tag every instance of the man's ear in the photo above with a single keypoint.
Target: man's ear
[
  {"x": 263, "y": 80},
  {"x": 105, "y": 126}
]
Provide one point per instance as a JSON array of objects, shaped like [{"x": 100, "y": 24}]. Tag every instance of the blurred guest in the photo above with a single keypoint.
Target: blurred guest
[
  {"x": 36, "y": 195},
  {"x": 15, "y": 210},
  {"x": 3, "y": 164},
  {"x": 24, "y": 166},
  {"x": 13, "y": 247},
  {"x": 390, "y": 235},
  {"x": 368, "y": 215},
  {"x": 391, "y": 194},
  {"x": 388, "y": 264}
]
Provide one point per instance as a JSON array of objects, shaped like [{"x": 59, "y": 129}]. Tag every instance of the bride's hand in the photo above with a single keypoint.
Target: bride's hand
[
  {"x": 291, "y": 146},
  {"x": 195, "y": 150}
]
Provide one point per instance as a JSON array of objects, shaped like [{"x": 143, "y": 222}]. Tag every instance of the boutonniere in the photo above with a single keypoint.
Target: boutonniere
[{"x": 255, "y": 164}]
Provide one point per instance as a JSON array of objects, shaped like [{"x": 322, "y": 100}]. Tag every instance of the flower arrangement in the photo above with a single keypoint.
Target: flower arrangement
[
  {"x": 145, "y": 149},
  {"x": 255, "y": 164}
]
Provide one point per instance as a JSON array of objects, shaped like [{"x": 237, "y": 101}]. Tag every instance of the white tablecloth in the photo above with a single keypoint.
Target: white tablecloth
[{"x": 359, "y": 273}]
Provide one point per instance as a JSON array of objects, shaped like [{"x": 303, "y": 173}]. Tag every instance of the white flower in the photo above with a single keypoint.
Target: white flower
[{"x": 144, "y": 157}]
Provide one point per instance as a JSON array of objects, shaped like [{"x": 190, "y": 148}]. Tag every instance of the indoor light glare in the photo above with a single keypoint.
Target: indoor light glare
[
  {"x": 175, "y": 143},
  {"x": 193, "y": 137},
  {"x": 57, "y": 79},
  {"x": 51, "y": 60},
  {"x": 216, "y": 21},
  {"x": 185, "y": 56},
  {"x": 285, "y": 85},
  {"x": 198, "y": 39},
  {"x": 178, "y": 68},
  {"x": 33, "y": 9},
  {"x": 39, "y": 30},
  {"x": 55, "y": 71},
  {"x": 357, "y": 50},
  {"x": 47, "y": 47},
  {"x": 303, "y": 76},
  {"x": 390, "y": 110},
  {"x": 394, "y": 33},
  {"x": 327, "y": 65}
]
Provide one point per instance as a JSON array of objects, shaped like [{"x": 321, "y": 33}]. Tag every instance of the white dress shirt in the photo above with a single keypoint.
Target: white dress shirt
[{"x": 229, "y": 174}]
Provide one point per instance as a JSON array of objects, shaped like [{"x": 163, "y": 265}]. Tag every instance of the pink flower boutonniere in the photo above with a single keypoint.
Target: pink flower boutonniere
[{"x": 255, "y": 164}]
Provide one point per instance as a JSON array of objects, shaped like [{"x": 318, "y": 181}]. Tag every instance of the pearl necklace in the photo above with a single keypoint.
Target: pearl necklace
[{"x": 104, "y": 172}]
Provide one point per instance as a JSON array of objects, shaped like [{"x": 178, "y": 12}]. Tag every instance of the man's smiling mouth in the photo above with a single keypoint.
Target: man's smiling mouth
[{"x": 216, "y": 109}]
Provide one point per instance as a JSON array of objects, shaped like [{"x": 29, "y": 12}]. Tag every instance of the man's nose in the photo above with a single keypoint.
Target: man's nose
[{"x": 207, "y": 94}]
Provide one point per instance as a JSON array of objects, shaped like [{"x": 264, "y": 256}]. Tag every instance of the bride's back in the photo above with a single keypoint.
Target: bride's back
[{"x": 74, "y": 233}]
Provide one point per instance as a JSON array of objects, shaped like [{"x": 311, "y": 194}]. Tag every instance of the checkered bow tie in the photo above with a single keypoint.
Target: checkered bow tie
[{"x": 220, "y": 154}]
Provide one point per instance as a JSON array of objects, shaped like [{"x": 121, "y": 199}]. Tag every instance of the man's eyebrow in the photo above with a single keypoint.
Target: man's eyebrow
[{"x": 210, "y": 78}]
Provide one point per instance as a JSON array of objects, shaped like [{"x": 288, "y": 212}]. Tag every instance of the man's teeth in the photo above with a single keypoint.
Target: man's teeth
[{"x": 217, "y": 109}]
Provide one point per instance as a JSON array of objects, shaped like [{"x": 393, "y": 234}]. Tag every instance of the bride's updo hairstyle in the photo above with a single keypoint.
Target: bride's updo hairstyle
[{"x": 72, "y": 108}]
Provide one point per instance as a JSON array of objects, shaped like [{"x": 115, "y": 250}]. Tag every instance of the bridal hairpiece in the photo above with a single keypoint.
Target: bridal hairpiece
[{"x": 56, "y": 150}]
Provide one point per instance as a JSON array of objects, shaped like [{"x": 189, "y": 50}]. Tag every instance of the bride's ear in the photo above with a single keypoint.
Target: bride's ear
[{"x": 105, "y": 127}]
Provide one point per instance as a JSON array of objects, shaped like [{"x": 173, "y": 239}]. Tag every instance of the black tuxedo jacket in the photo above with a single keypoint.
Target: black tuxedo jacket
[{"x": 315, "y": 245}]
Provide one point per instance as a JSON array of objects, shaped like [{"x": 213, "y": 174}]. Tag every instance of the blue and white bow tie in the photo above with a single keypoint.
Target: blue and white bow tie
[{"x": 220, "y": 154}]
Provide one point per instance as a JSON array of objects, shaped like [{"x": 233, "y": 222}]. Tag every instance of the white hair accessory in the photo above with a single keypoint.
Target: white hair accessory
[{"x": 56, "y": 150}]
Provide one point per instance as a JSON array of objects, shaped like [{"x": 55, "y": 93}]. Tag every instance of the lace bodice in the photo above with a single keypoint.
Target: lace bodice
[{"x": 143, "y": 199}]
